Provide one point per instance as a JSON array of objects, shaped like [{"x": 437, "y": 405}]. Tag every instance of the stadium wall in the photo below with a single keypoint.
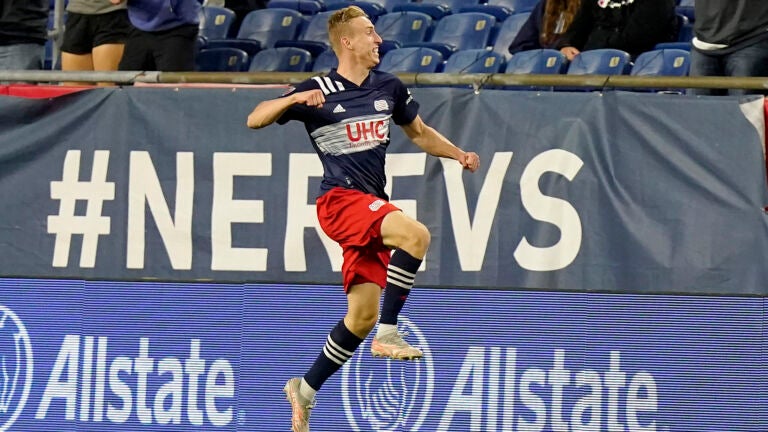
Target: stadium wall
[{"x": 603, "y": 271}]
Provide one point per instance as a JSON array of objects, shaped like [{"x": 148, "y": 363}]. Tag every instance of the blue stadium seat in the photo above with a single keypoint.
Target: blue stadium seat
[
  {"x": 372, "y": 9},
  {"x": 666, "y": 62},
  {"x": 285, "y": 59},
  {"x": 605, "y": 61},
  {"x": 248, "y": 45},
  {"x": 474, "y": 61},
  {"x": 415, "y": 59},
  {"x": 500, "y": 9},
  {"x": 387, "y": 46},
  {"x": 540, "y": 61},
  {"x": 304, "y": 7},
  {"x": 390, "y": 5},
  {"x": 314, "y": 37},
  {"x": 222, "y": 60},
  {"x": 216, "y": 22},
  {"x": 470, "y": 30},
  {"x": 404, "y": 27},
  {"x": 673, "y": 45},
  {"x": 686, "y": 7},
  {"x": 270, "y": 25},
  {"x": 507, "y": 32},
  {"x": 437, "y": 9},
  {"x": 325, "y": 62}
]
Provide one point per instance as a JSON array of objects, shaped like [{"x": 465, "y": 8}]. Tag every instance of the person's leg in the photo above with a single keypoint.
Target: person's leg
[
  {"x": 110, "y": 32},
  {"x": 137, "y": 53},
  {"x": 175, "y": 49},
  {"x": 410, "y": 240},
  {"x": 750, "y": 61},
  {"x": 340, "y": 345},
  {"x": 703, "y": 64},
  {"x": 27, "y": 56}
]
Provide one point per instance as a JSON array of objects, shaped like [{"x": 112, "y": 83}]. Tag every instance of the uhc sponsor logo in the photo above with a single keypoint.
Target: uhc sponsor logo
[
  {"x": 395, "y": 397},
  {"x": 16, "y": 367},
  {"x": 367, "y": 130}
]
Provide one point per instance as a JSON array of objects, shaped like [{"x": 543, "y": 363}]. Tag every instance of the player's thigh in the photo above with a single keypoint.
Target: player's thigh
[
  {"x": 107, "y": 57},
  {"x": 76, "y": 62},
  {"x": 399, "y": 230}
]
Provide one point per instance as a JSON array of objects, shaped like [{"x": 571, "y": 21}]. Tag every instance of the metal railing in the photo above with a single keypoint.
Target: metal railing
[{"x": 477, "y": 81}]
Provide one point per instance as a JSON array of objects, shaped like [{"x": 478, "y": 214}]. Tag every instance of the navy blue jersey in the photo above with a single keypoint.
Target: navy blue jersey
[{"x": 350, "y": 132}]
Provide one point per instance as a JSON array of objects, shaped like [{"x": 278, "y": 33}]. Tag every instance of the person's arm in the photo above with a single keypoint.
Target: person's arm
[
  {"x": 267, "y": 112},
  {"x": 576, "y": 36},
  {"x": 435, "y": 144},
  {"x": 529, "y": 35}
]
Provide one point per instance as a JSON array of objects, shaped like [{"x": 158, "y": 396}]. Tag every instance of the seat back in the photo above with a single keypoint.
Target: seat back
[
  {"x": 222, "y": 60},
  {"x": 414, "y": 59},
  {"x": 326, "y": 61},
  {"x": 304, "y": 7},
  {"x": 605, "y": 61},
  {"x": 469, "y": 30},
  {"x": 664, "y": 62},
  {"x": 540, "y": 61},
  {"x": 270, "y": 25},
  {"x": 216, "y": 22},
  {"x": 372, "y": 9},
  {"x": 474, "y": 61},
  {"x": 507, "y": 33},
  {"x": 285, "y": 59},
  {"x": 404, "y": 27}
]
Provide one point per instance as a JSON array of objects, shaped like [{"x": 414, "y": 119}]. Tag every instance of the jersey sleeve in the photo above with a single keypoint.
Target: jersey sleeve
[
  {"x": 406, "y": 107},
  {"x": 298, "y": 112}
]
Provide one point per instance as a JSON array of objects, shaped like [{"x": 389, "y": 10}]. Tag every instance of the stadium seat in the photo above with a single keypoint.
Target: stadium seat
[
  {"x": 285, "y": 59},
  {"x": 247, "y": 45},
  {"x": 388, "y": 45},
  {"x": 314, "y": 37},
  {"x": 437, "y": 9},
  {"x": 414, "y": 59},
  {"x": 470, "y": 30},
  {"x": 500, "y": 9},
  {"x": 270, "y": 25},
  {"x": 686, "y": 7},
  {"x": 540, "y": 61},
  {"x": 390, "y": 5},
  {"x": 304, "y": 7},
  {"x": 216, "y": 22},
  {"x": 674, "y": 45},
  {"x": 507, "y": 32},
  {"x": 404, "y": 27},
  {"x": 666, "y": 62},
  {"x": 325, "y": 62},
  {"x": 222, "y": 60},
  {"x": 474, "y": 61},
  {"x": 372, "y": 9},
  {"x": 605, "y": 61}
]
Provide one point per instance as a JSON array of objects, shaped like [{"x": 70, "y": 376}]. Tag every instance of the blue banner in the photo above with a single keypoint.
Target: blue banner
[
  {"x": 95, "y": 356},
  {"x": 577, "y": 191}
]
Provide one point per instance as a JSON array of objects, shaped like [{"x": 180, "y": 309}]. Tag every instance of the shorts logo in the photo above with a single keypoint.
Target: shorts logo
[
  {"x": 395, "y": 396},
  {"x": 16, "y": 367},
  {"x": 376, "y": 205}
]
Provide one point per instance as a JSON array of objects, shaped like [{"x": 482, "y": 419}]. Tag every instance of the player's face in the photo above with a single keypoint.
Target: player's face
[{"x": 365, "y": 41}]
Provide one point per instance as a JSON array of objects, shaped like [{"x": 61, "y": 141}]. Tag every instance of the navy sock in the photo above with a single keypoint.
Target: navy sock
[
  {"x": 400, "y": 275},
  {"x": 339, "y": 347}
]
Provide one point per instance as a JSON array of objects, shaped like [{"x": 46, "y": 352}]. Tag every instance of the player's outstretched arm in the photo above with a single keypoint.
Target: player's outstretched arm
[
  {"x": 269, "y": 111},
  {"x": 434, "y": 143}
]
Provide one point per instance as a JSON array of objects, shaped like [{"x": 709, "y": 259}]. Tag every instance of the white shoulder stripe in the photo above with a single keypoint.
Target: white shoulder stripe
[
  {"x": 322, "y": 85},
  {"x": 330, "y": 85},
  {"x": 339, "y": 85}
]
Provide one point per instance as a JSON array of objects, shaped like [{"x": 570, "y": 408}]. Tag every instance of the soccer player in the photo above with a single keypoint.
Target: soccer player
[{"x": 347, "y": 115}]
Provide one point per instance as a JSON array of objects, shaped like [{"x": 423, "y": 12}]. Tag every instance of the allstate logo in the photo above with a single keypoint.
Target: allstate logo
[
  {"x": 389, "y": 395},
  {"x": 15, "y": 367}
]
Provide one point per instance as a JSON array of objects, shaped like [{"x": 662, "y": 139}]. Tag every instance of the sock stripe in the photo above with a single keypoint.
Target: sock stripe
[
  {"x": 336, "y": 347},
  {"x": 392, "y": 281},
  {"x": 401, "y": 272},
  {"x": 332, "y": 357}
]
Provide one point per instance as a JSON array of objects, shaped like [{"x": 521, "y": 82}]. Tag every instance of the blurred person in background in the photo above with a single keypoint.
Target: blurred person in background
[
  {"x": 94, "y": 35},
  {"x": 163, "y": 37},
  {"x": 241, "y": 8},
  {"x": 730, "y": 39},
  {"x": 23, "y": 32},
  {"x": 634, "y": 26},
  {"x": 546, "y": 24}
]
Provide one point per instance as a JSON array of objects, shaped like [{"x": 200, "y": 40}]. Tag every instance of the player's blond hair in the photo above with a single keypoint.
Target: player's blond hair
[{"x": 337, "y": 23}]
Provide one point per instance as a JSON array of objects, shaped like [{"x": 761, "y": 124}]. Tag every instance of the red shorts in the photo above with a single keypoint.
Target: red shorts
[{"x": 353, "y": 220}]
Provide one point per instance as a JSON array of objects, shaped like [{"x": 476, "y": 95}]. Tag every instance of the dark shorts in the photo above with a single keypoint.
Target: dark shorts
[
  {"x": 353, "y": 220},
  {"x": 168, "y": 50},
  {"x": 84, "y": 32}
]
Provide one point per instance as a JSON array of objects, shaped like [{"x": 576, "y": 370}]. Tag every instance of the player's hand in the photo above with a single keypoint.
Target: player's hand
[
  {"x": 314, "y": 98},
  {"x": 470, "y": 161}
]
